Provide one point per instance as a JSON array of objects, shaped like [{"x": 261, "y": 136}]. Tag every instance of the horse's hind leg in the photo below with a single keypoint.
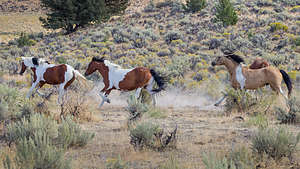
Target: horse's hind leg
[
  {"x": 220, "y": 100},
  {"x": 278, "y": 90},
  {"x": 138, "y": 93},
  {"x": 149, "y": 89}
]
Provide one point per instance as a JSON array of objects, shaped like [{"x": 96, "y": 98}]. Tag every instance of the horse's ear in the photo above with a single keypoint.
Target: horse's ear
[
  {"x": 94, "y": 58},
  {"x": 35, "y": 61}
]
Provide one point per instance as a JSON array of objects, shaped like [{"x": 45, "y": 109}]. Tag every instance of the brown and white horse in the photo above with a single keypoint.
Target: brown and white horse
[
  {"x": 46, "y": 73},
  {"x": 114, "y": 77},
  {"x": 242, "y": 77}
]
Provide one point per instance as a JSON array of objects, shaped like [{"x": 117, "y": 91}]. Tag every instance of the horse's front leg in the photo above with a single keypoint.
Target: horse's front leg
[
  {"x": 103, "y": 96},
  {"x": 220, "y": 100},
  {"x": 32, "y": 87}
]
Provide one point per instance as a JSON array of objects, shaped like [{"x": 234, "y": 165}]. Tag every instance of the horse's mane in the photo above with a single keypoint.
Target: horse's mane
[
  {"x": 98, "y": 59},
  {"x": 234, "y": 57}
]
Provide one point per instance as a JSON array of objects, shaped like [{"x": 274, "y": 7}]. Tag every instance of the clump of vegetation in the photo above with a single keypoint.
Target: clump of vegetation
[
  {"x": 195, "y": 5},
  {"x": 213, "y": 161},
  {"x": 25, "y": 40},
  {"x": 297, "y": 41},
  {"x": 70, "y": 134},
  {"x": 71, "y": 15},
  {"x": 136, "y": 108},
  {"x": 241, "y": 157},
  {"x": 37, "y": 151},
  {"x": 9, "y": 99},
  {"x": 26, "y": 128},
  {"x": 149, "y": 135},
  {"x": 275, "y": 143},
  {"x": 292, "y": 115},
  {"x": 239, "y": 100},
  {"x": 278, "y": 26},
  {"x": 259, "y": 120},
  {"x": 117, "y": 163},
  {"x": 226, "y": 13}
]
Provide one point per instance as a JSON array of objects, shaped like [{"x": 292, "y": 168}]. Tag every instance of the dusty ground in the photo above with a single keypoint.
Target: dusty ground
[{"x": 200, "y": 129}]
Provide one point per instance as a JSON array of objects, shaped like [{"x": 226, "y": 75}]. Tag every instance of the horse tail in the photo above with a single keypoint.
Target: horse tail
[
  {"x": 80, "y": 76},
  {"x": 287, "y": 81},
  {"x": 160, "y": 80}
]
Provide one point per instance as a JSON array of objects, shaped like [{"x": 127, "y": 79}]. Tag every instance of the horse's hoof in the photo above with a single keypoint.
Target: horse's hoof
[
  {"x": 108, "y": 101},
  {"x": 216, "y": 105}
]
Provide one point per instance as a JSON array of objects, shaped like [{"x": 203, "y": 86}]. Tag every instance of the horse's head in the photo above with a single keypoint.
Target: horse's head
[
  {"x": 95, "y": 64},
  {"x": 220, "y": 60}
]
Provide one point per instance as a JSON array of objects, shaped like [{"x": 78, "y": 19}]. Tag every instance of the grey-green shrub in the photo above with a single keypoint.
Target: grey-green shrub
[
  {"x": 136, "y": 108},
  {"x": 70, "y": 134},
  {"x": 195, "y": 5},
  {"x": 26, "y": 128},
  {"x": 24, "y": 40},
  {"x": 276, "y": 143},
  {"x": 293, "y": 113},
  {"x": 212, "y": 161},
  {"x": 9, "y": 102},
  {"x": 37, "y": 152},
  {"x": 226, "y": 13},
  {"x": 241, "y": 157},
  {"x": 143, "y": 135}
]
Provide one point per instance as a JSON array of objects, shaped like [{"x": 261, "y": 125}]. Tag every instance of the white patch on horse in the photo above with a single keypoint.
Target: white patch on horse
[
  {"x": 115, "y": 74},
  {"x": 240, "y": 77},
  {"x": 27, "y": 61}
]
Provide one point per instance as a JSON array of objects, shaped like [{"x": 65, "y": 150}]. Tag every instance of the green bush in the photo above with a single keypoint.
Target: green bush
[
  {"x": 259, "y": 120},
  {"x": 9, "y": 102},
  {"x": 225, "y": 13},
  {"x": 37, "y": 152},
  {"x": 195, "y": 5},
  {"x": 212, "y": 161},
  {"x": 26, "y": 128},
  {"x": 241, "y": 157},
  {"x": 293, "y": 113},
  {"x": 136, "y": 108},
  {"x": 239, "y": 100},
  {"x": 297, "y": 41},
  {"x": 143, "y": 135},
  {"x": 276, "y": 143},
  {"x": 70, "y": 134},
  {"x": 24, "y": 40}
]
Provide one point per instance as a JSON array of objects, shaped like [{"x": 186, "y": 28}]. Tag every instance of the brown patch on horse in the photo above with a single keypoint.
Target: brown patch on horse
[
  {"x": 137, "y": 78},
  {"x": 259, "y": 63},
  {"x": 50, "y": 73},
  {"x": 23, "y": 68},
  {"x": 70, "y": 81}
]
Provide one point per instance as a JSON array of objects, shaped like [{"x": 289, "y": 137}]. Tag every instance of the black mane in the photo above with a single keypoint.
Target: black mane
[
  {"x": 235, "y": 57},
  {"x": 98, "y": 59},
  {"x": 35, "y": 61}
]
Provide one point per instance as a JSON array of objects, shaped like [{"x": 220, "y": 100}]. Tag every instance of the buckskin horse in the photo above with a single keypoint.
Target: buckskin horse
[
  {"x": 245, "y": 78},
  {"x": 46, "y": 73},
  {"x": 114, "y": 77}
]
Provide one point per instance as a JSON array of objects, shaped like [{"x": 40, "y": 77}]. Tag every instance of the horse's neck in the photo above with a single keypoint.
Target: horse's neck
[{"x": 231, "y": 66}]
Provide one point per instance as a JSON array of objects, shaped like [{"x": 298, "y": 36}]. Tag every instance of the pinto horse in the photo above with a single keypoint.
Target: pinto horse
[
  {"x": 114, "y": 77},
  {"x": 46, "y": 73},
  {"x": 244, "y": 78}
]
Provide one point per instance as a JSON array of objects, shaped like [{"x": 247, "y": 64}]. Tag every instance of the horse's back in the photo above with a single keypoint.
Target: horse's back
[
  {"x": 55, "y": 75},
  {"x": 136, "y": 78}
]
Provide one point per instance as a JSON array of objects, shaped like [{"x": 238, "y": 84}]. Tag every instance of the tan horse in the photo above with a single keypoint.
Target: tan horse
[{"x": 242, "y": 77}]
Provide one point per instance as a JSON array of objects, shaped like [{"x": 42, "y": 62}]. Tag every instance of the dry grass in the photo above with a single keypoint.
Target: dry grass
[{"x": 11, "y": 24}]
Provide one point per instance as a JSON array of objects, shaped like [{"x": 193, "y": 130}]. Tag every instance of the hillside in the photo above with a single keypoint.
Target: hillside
[{"x": 161, "y": 35}]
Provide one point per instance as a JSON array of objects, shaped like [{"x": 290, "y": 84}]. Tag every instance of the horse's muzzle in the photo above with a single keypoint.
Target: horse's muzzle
[{"x": 213, "y": 63}]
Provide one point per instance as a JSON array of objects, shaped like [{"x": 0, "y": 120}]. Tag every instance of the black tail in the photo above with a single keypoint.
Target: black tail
[
  {"x": 160, "y": 80},
  {"x": 287, "y": 81}
]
